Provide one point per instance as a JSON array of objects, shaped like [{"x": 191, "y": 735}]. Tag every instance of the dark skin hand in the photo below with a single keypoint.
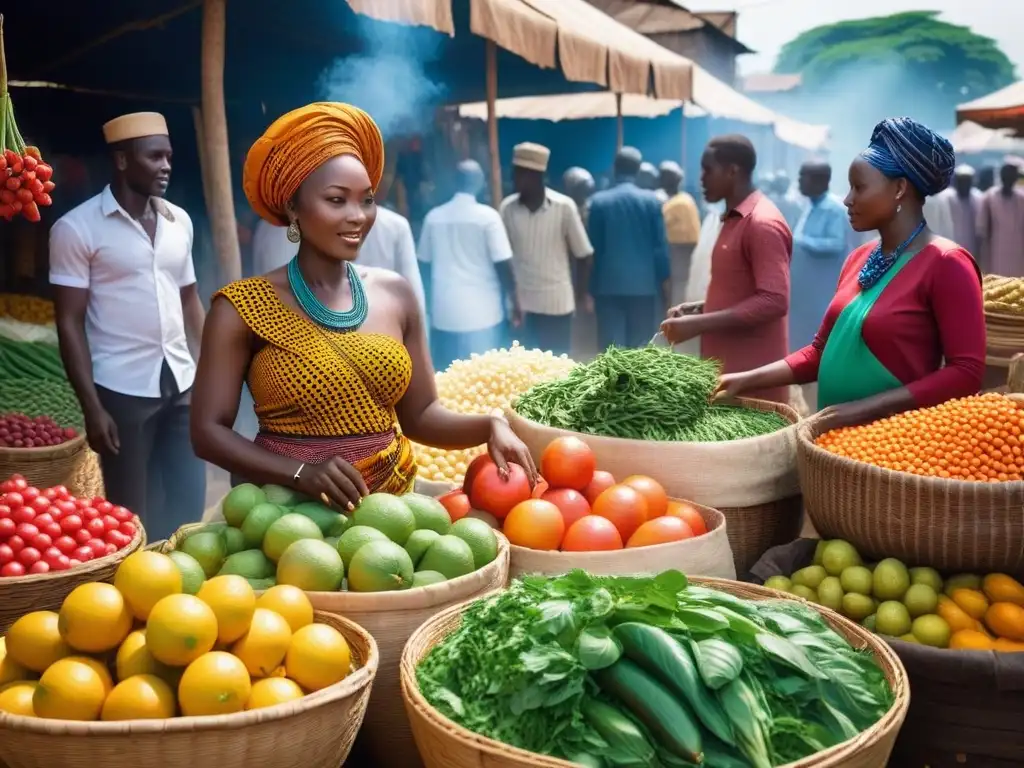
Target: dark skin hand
[{"x": 335, "y": 210}]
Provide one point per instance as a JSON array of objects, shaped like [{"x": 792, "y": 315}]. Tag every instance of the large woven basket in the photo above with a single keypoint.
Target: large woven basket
[
  {"x": 46, "y": 591},
  {"x": 45, "y": 467},
  {"x": 316, "y": 731},
  {"x": 952, "y": 525},
  {"x": 707, "y": 555},
  {"x": 443, "y": 744},
  {"x": 752, "y": 482}
]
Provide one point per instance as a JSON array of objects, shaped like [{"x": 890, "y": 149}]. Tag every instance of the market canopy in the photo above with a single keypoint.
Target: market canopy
[
  {"x": 710, "y": 97},
  {"x": 1004, "y": 108},
  {"x": 589, "y": 45},
  {"x": 969, "y": 138}
]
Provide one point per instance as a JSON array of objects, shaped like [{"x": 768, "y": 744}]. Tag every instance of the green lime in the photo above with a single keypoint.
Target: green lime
[
  {"x": 857, "y": 579},
  {"x": 192, "y": 575},
  {"x": 920, "y": 599},
  {"x": 932, "y": 630},
  {"x": 857, "y": 607},
  {"x": 380, "y": 566},
  {"x": 449, "y": 555},
  {"x": 426, "y": 578},
  {"x": 239, "y": 501},
  {"x": 259, "y": 519},
  {"x": 830, "y": 593},
  {"x": 810, "y": 576},
  {"x": 209, "y": 550},
  {"x": 805, "y": 592},
  {"x": 388, "y": 514},
  {"x": 838, "y": 555},
  {"x": 430, "y": 514},
  {"x": 962, "y": 581},
  {"x": 819, "y": 552},
  {"x": 331, "y": 523},
  {"x": 249, "y": 564},
  {"x": 355, "y": 537},
  {"x": 927, "y": 576},
  {"x": 285, "y": 531},
  {"x": 419, "y": 543},
  {"x": 891, "y": 580},
  {"x": 480, "y": 537},
  {"x": 781, "y": 583},
  {"x": 311, "y": 565},
  {"x": 892, "y": 619},
  {"x": 283, "y": 497}
]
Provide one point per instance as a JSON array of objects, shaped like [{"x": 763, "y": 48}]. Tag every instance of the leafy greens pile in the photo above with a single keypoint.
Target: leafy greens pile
[{"x": 546, "y": 666}]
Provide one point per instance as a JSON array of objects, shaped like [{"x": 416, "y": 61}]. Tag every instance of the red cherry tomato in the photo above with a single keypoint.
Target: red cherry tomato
[
  {"x": 98, "y": 547},
  {"x": 7, "y": 486},
  {"x": 29, "y": 555},
  {"x": 50, "y": 493},
  {"x": 110, "y": 523},
  {"x": 40, "y": 504},
  {"x": 65, "y": 544},
  {"x": 27, "y": 530},
  {"x": 61, "y": 563},
  {"x": 51, "y": 552},
  {"x": 6, "y": 554},
  {"x": 128, "y": 529},
  {"x": 5, "y": 511},
  {"x": 42, "y": 520},
  {"x": 90, "y": 513},
  {"x": 39, "y": 566},
  {"x": 7, "y": 527},
  {"x": 41, "y": 541},
  {"x": 83, "y": 537},
  {"x": 13, "y": 499},
  {"x": 82, "y": 554},
  {"x": 62, "y": 492},
  {"x": 23, "y": 515},
  {"x": 73, "y": 561},
  {"x": 30, "y": 494},
  {"x": 123, "y": 514},
  {"x": 95, "y": 527},
  {"x": 82, "y": 503},
  {"x": 65, "y": 507},
  {"x": 111, "y": 549},
  {"x": 16, "y": 543},
  {"x": 52, "y": 530},
  {"x": 71, "y": 524},
  {"x": 118, "y": 539},
  {"x": 13, "y": 568},
  {"x": 103, "y": 506}
]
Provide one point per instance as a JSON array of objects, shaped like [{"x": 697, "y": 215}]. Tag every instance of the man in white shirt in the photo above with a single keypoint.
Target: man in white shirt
[
  {"x": 546, "y": 233},
  {"x": 130, "y": 323},
  {"x": 963, "y": 203},
  {"x": 464, "y": 246}
]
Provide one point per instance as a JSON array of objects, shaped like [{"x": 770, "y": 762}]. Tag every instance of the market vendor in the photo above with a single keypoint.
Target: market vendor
[
  {"x": 335, "y": 354},
  {"x": 906, "y": 328}
]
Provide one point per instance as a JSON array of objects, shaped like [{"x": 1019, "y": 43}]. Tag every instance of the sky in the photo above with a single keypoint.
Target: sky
[{"x": 767, "y": 25}]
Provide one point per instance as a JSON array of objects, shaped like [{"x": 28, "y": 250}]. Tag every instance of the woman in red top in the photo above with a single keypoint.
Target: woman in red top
[{"x": 906, "y": 328}]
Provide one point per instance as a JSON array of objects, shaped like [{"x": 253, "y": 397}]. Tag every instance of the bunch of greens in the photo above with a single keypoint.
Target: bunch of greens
[
  {"x": 649, "y": 393},
  {"x": 546, "y": 666}
]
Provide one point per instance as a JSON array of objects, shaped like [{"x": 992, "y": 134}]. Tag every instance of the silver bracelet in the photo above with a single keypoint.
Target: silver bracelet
[{"x": 298, "y": 471}]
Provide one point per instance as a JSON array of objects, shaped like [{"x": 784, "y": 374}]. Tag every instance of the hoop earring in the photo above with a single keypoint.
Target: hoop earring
[{"x": 294, "y": 235}]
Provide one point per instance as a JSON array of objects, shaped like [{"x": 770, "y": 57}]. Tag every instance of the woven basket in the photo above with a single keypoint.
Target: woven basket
[
  {"x": 752, "y": 482},
  {"x": 951, "y": 525},
  {"x": 45, "y": 467},
  {"x": 443, "y": 744},
  {"x": 46, "y": 591},
  {"x": 707, "y": 555},
  {"x": 316, "y": 731},
  {"x": 87, "y": 482}
]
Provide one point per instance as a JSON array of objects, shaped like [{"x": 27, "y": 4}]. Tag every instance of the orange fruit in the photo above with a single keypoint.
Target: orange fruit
[
  {"x": 535, "y": 524},
  {"x": 954, "y": 615},
  {"x": 216, "y": 683},
  {"x": 653, "y": 493},
  {"x": 34, "y": 641},
  {"x": 571, "y": 503},
  {"x": 16, "y": 698},
  {"x": 1001, "y": 588},
  {"x": 970, "y": 640},
  {"x": 1006, "y": 620},
  {"x": 70, "y": 690},
  {"x": 591, "y": 534},
  {"x": 144, "y": 578},
  {"x": 600, "y": 482},
  {"x": 660, "y": 530},
  {"x": 140, "y": 697},
  {"x": 971, "y": 601},
  {"x": 626, "y": 507},
  {"x": 317, "y": 657},
  {"x": 690, "y": 514},
  {"x": 271, "y": 691},
  {"x": 568, "y": 462},
  {"x": 233, "y": 602},
  {"x": 180, "y": 629},
  {"x": 1007, "y": 646},
  {"x": 289, "y": 602},
  {"x": 94, "y": 618}
]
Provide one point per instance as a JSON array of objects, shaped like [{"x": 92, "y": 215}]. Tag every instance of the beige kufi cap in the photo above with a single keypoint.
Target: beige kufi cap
[
  {"x": 134, "y": 126},
  {"x": 531, "y": 156}
]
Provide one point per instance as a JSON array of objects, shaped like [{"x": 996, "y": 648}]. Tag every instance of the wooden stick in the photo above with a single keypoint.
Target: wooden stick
[
  {"x": 620, "y": 124},
  {"x": 204, "y": 161},
  {"x": 45, "y": 84},
  {"x": 492, "y": 122},
  {"x": 221, "y": 205}
]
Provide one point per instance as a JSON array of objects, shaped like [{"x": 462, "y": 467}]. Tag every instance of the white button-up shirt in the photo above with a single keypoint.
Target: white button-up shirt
[
  {"x": 463, "y": 240},
  {"x": 543, "y": 241},
  {"x": 388, "y": 245},
  {"x": 134, "y": 319}
]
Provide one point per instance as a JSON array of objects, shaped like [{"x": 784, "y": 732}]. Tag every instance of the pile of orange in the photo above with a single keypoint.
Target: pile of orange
[
  {"x": 978, "y": 438},
  {"x": 579, "y": 508}
]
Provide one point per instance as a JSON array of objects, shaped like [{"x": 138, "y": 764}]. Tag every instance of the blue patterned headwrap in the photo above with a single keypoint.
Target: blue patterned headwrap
[{"x": 904, "y": 148}]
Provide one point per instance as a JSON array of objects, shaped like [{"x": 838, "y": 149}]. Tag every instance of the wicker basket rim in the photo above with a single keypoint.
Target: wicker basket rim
[
  {"x": 350, "y": 685},
  {"x": 138, "y": 542},
  {"x": 68, "y": 447},
  {"x": 786, "y": 411},
  {"x": 717, "y": 522},
  {"x": 856, "y": 635},
  {"x": 805, "y": 440},
  {"x": 1015, "y": 319}
]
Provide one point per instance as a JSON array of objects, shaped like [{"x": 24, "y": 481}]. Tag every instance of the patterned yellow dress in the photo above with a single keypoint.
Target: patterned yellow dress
[{"x": 321, "y": 393}]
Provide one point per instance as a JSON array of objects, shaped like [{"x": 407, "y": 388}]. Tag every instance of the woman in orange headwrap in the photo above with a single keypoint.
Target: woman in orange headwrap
[{"x": 335, "y": 354}]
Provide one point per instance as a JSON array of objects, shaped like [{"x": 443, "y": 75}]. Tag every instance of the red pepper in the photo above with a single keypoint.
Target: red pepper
[
  {"x": 44, "y": 172},
  {"x": 17, "y": 205},
  {"x": 43, "y": 199},
  {"x": 35, "y": 186},
  {"x": 14, "y": 183},
  {"x": 31, "y": 212},
  {"x": 25, "y": 195},
  {"x": 34, "y": 152},
  {"x": 27, "y": 176},
  {"x": 30, "y": 162},
  {"x": 7, "y": 211},
  {"x": 17, "y": 166},
  {"x": 7, "y": 196},
  {"x": 49, "y": 186}
]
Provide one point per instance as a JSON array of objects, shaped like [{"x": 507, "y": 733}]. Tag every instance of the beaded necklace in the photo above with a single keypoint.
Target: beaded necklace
[
  {"x": 879, "y": 263},
  {"x": 349, "y": 320}
]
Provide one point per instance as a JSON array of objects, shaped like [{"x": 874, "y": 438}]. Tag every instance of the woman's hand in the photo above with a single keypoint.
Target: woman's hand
[
  {"x": 686, "y": 308},
  {"x": 505, "y": 447},
  {"x": 680, "y": 329},
  {"x": 335, "y": 481},
  {"x": 732, "y": 385}
]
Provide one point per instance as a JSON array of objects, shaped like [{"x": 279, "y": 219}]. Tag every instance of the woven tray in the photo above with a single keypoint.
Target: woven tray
[
  {"x": 443, "y": 744},
  {"x": 45, "y": 467}
]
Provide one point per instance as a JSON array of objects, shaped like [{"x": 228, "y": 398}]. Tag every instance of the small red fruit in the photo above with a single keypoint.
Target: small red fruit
[
  {"x": 82, "y": 554},
  {"x": 13, "y": 568},
  {"x": 39, "y": 566},
  {"x": 29, "y": 555}
]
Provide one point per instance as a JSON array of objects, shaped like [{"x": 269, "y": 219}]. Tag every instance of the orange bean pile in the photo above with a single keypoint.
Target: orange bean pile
[{"x": 979, "y": 438}]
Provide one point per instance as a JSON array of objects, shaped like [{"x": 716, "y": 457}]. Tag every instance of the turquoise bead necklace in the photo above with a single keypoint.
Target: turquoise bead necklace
[{"x": 322, "y": 315}]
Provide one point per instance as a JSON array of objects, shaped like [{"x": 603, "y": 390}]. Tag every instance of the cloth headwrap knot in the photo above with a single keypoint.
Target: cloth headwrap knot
[
  {"x": 904, "y": 148},
  {"x": 298, "y": 143}
]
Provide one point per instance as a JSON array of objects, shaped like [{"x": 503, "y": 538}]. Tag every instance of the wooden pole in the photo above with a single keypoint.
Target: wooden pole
[
  {"x": 620, "y": 126},
  {"x": 204, "y": 161},
  {"x": 492, "y": 122},
  {"x": 220, "y": 205}
]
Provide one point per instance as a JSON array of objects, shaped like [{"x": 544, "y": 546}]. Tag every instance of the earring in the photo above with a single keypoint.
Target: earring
[
  {"x": 294, "y": 235},
  {"x": 898, "y": 209}
]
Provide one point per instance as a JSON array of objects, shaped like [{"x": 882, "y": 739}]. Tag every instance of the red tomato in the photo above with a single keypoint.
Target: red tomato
[
  {"x": 98, "y": 547},
  {"x": 61, "y": 563},
  {"x": 7, "y": 527},
  {"x": 40, "y": 504},
  {"x": 570, "y": 503},
  {"x": 65, "y": 544},
  {"x": 660, "y": 530},
  {"x": 42, "y": 520},
  {"x": 65, "y": 507},
  {"x": 7, "y": 486},
  {"x": 27, "y": 530},
  {"x": 128, "y": 528},
  {"x": 23, "y": 515},
  {"x": 474, "y": 467},
  {"x": 13, "y": 568},
  {"x": 95, "y": 527},
  {"x": 52, "y": 530},
  {"x": 40, "y": 541},
  {"x": 73, "y": 561},
  {"x": 62, "y": 492},
  {"x": 30, "y": 494},
  {"x": 82, "y": 554},
  {"x": 6, "y": 554},
  {"x": 111, "y": 549},
  {"x": 83, "y": 537},
  {"x": 455, "y": 502},
  {"x": 71, "y": 523},
  {"x": 39, "y": 566},
  {"x": 29, "y": 555},
  {"x": 82, "y": 503},
  {"x": 568, "y": 462},
  {"x": 624, "y": 506},
  {"x": 51, "y": 494},
  {"x": 690, "y": 514},
  {"x": 122, "y": 514},
  {"x": 90, "y": 513},
  {"x": 16, "y": 543},
  {"x": 50, "y": 553},
  {"x": 13, "y": 499},
  {"x": 110, "y": 523},
  {"x": 535, "y": 524},
  {"x": 5, "y": 511},
  {"x": 600, "y": 482},
  {"x": 491, "y": 493},
  {"x": 592, "y": 534},
  {"x": 103, "y": 506},
  {"x": 652, "y": 491}
]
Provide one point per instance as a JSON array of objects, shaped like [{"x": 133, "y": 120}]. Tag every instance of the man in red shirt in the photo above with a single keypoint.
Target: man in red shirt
[{"x": 743, "y": 323}]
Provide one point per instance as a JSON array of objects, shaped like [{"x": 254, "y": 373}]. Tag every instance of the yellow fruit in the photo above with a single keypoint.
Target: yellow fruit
[
  {"x": 1007, "y": 646},
  {"x": 16, "y": 698},
  {"x": 34, "y": 641},
  {"x": 289, "y": 602},
  {"x": 271, "y": 691},
  {"x": 180, "y": 629},
  {"x": 70, "y": 690},
  {"x": 144, "y": 578},
  {"x": 971, "y": 601},
  {"x": 99, "y": 668},
  {"x": 10, "y": 670},
  {"x": 954, "y": 615},
  {"x": 233, "y": 602},
  {"x": 317, "y": 657},
  {"x": 134, "y": 658},
  {"x": 1000, "y": 588},
  {"x": 214, "y": 684},
  {"x": 263, "y": 647},
  {"x": 1006, "y": 620},
  {"x": 142, "y": 697},
  {"x": 970, "y": 640},
  {"x": 94, "y": 618}
]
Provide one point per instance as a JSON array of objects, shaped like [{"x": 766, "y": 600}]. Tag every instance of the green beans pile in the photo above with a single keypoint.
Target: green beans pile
[
  {"x": 34, "y": 397},
  {"x": 649, "y": 393}
]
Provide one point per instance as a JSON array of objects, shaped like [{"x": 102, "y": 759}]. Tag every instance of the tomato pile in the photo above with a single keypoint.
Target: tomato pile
[
  {"x": 19, "y": 431},
  {"x": 575, "y": 507},
  {"x": 51, "y": 530},
  {"x": 27, "y": 184}
]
